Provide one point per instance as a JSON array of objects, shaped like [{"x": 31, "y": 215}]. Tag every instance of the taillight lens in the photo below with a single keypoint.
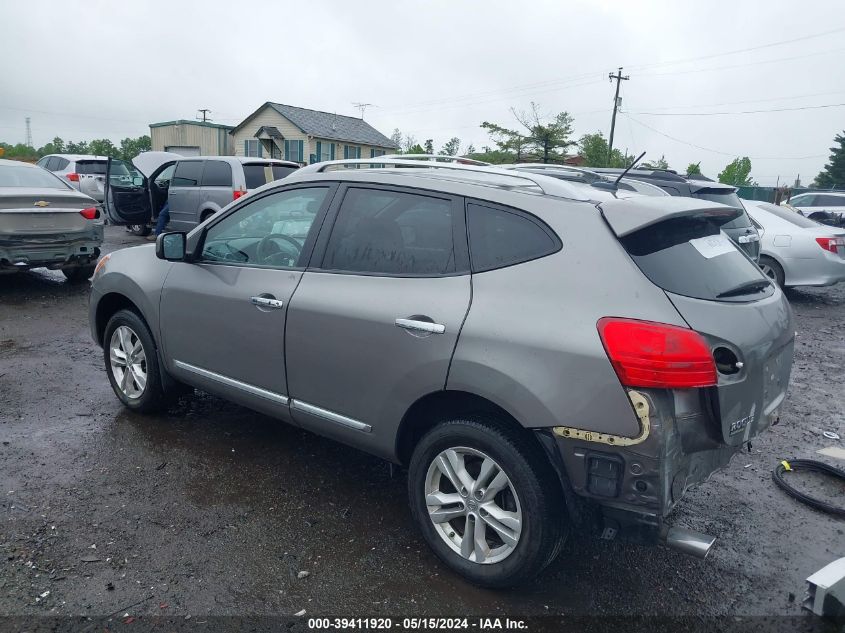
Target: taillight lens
[
  {"x": 237, "y": 193},
  {"x": 648, "y": 354},
  {"x": 831, "y": 244},
  {"x": 91, "y": 213},
  {"x": 73, "y": 177}
]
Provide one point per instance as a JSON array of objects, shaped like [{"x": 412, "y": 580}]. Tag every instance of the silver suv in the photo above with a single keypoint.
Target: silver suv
[
  {"x": 195, "y": 188},
  {"x": 85, "y": 172},
  {"x": 539, "y": 354}
]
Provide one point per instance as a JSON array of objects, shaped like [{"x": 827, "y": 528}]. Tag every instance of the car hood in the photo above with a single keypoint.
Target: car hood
[{"x": 148, "y": 162}]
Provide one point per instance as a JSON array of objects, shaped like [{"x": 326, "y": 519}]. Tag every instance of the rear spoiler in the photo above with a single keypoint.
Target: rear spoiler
[{"x": 626, "y": 216}]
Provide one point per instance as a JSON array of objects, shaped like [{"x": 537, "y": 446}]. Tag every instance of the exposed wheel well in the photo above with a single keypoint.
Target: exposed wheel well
[
  {"x": 206, "y": 214},
  {"x": 108, "y": 306},
  {"x": 429, "y": 410}
]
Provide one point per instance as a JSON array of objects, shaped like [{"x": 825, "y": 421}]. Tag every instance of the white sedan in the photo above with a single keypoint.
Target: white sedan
[{"x": 795, "y": 250}]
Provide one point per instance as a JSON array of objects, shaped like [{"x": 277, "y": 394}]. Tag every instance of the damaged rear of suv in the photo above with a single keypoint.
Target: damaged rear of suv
[{"x": 542, "y": 355}]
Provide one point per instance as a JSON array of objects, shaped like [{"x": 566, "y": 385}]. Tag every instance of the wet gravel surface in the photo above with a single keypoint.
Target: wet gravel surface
[{"x": 214, "y": 510}]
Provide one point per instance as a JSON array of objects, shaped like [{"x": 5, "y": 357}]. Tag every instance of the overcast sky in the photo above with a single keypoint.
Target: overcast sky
[{"x": 438, "y": 68}]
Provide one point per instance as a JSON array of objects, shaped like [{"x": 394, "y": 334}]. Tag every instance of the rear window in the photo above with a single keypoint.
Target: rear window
[
  {"x": 729, "y": 198},
  {"x": 92, "y": 167},
  {"x": 693, "y": 258},
  {"x": 14, "y": 176},
  {"x": 790, "y": 216},
  {"x": 259, "y": 174}
]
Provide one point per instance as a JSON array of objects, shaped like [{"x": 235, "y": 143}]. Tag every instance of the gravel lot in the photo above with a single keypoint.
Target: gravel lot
[{"x": 215, "y": 510}]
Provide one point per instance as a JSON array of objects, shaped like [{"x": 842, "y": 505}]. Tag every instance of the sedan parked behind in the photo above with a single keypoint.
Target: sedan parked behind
[
  {"x": 798, "y": 251},
  {"x": 44, "y": 222}
]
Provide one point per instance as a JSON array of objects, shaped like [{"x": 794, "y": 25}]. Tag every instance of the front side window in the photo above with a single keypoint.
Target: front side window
[
  {"x": 217, "y": 173},
  {"x": 499, "y": 238},
  {"x": 188, "y": 174},
  {"x": 122, "y": 173},
  {"x": 269, "y": 232},
  {"x": 392, "y": 233}
]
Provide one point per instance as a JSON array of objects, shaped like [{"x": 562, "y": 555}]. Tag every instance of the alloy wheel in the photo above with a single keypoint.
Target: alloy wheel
[
  {"x": 768, "y": 271},
  {"x": 128, "y": 362},
  {"x": 473, "y": 505}
]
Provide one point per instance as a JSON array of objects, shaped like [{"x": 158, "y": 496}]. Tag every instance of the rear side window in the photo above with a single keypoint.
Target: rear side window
[
  {"x": 499, "y": 237},
  {"x": 217, "y": 173},
  {"x": 91, "y": 167},
  {"x": 280, "y": 171},
  {"x": 392, "y": 233},
  {"x": 259, "y": 174},
  {"x": 187, "y": 174},
  {"x": 692, "y": 257},
  {"x": 60, "y": 163}
]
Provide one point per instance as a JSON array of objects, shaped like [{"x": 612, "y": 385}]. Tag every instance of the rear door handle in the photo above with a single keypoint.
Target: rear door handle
[
  {"x": 267, "y": 302},
  {"x": 421, "y": 326}
]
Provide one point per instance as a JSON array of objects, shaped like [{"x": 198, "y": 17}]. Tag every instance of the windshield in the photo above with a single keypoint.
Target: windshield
[{"x": 27, "y": 176}]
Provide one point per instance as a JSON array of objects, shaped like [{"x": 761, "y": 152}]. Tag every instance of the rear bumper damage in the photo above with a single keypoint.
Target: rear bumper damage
[
  {"x": 51, "y": 250},
  {"x": 625, "y": 487}
]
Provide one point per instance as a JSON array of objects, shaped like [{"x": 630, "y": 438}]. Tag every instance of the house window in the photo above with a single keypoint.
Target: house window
[
  {"x": 376, "y": 152},
  {"x": 294, "y": 150},
  {"x": 252, "y": 147},
  {"x": 325, "y": 151},
  {"x": 351, "y": 151}
]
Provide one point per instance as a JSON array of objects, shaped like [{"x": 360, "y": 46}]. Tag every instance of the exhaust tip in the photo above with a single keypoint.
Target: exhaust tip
[{"x": 689, "y": 542}]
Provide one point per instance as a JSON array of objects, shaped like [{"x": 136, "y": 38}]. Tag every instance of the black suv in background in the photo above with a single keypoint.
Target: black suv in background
[{"x": 741, "y": 230}]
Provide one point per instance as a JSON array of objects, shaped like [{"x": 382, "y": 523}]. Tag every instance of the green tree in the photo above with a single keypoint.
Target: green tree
[
  {"x": 510, "y": 142},
  {"x": 77, "y": 148},
  {"x": 103, "y": 147},
  {"x": 833, "y": 174},
  {"x": 56, "y": 146},
  {"x": 416, "y": 148},
  {"x": 409, "y": 142},
  {"x": 470, "y": 149},
  {"x": 131, "y": 147},
  {"x": 548, "y": 138},
  {"x": 493, "y": 156},
  {"x": 694, "y": 168},
  {"x": 593, "y": 148},
  {"x": 429, "y": 146},
  {"x": 451, "y": 147},
  {"x": 737, "y": 173},
  {"x": 660, "y": 163}
]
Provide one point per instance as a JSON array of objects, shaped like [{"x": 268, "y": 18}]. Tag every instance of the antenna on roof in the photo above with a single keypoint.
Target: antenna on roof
[
  {"x": 205, "y": 113},
  {"x": 363, "y": 107},
  {"x": 334, "y": 121},
  {"x": 628, "y": 168},
  {"x": 614, "y": 186}
]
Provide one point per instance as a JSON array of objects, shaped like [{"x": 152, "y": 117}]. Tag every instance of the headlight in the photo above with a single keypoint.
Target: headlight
[{"x": 100, "y": 266}]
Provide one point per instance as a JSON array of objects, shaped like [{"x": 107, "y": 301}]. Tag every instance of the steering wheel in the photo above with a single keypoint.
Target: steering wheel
[{"x": 264, "y": 253}]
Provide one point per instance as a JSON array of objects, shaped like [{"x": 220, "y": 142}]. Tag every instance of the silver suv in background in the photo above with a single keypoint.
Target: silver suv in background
[
  {"x": 85, "y": 172},
  {"x": 540, "y": 354},
  {"x": 195, "y": 188}
]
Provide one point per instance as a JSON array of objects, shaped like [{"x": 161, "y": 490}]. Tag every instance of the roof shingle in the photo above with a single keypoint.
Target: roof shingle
[{"x": 336, "y": 127}]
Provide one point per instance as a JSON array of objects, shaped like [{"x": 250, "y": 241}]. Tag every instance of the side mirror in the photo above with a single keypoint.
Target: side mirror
[
  {"x": 171, "y": 246},
  {"x": 137, "y": 181}
]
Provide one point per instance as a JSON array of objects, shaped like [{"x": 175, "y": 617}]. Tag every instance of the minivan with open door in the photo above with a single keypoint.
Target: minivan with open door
[{"x": 136, "y": 190}]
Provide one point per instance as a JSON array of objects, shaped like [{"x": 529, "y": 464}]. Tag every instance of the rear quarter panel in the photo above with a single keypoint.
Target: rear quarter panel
[{"x": 530, "y": 342}]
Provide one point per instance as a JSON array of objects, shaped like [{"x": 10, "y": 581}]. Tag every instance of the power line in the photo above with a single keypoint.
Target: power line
[
  {"x": 619, "y": 77},
  {"x": 727, "y": 103},
  {"x": 815, "y": 107},
  {"x": 716, "y": 151}
]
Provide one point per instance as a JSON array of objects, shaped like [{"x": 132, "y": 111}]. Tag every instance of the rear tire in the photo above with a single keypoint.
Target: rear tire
[
  {"x": 772, "y": 270},
  {"x": 132, "y": 363},
  {"x": 205, "y": 215},
  {"x": 506, "y": 494},
  {"x": 79, "y": 274}
]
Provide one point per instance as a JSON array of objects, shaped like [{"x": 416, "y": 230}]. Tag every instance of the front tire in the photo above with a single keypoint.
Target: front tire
[
  {"x": 131, "y": 360},
  {"x": 140, "y": 229},
  {"x": 486, "y": 501}
]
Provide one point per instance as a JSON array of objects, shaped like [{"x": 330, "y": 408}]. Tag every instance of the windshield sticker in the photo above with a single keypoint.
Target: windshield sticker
[{"x": 713, "y": 245}]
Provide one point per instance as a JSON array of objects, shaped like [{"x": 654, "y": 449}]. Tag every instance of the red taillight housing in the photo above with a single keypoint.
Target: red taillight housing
[
  {"x": 237, "y": 193},
  {"x": 831, "y": 244},
  {"x": 648, "y": 354},
  {"x": 91, "y": 213},
  {"x": 72, "y": 177}
]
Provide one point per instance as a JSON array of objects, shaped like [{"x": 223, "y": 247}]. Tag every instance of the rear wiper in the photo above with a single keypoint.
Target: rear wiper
[{"x": 744, "y": 289}]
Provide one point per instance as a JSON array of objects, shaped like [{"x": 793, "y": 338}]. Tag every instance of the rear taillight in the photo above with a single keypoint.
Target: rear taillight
[
  {"x": 91, "y": 213},
  {"x": 831, "y": 244},
  {"x": 647, "y": 354},
  {"x": 237, "y": 193},
  {"x": 72, "y": 177}
]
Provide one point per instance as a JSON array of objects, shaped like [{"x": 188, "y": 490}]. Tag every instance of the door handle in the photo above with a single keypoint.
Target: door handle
[
  {"x": 421, "y": 326},
  {"x": 267, "y": 302}
]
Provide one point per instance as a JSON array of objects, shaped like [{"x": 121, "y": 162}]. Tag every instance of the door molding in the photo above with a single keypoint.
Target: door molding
[{"x": 231, "y": 382}]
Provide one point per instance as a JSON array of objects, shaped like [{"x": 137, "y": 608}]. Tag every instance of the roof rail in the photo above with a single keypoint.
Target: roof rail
[
  {"x": 438, "y": 158},
  {"x": 546, "y": 184}
]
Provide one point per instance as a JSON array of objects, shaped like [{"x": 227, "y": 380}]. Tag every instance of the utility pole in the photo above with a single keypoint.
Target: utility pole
[
  {"x": 619, "y": 79},
  {"x": 28, "y": 132},
  {"x": 362, "y": 107},
  {"x": 205, "y": 113}
]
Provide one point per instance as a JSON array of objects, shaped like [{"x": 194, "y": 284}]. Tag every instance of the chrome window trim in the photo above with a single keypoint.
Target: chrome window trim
[
  {"x": 331, "y": 416},
  {"x": 231, "y": 382}
]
